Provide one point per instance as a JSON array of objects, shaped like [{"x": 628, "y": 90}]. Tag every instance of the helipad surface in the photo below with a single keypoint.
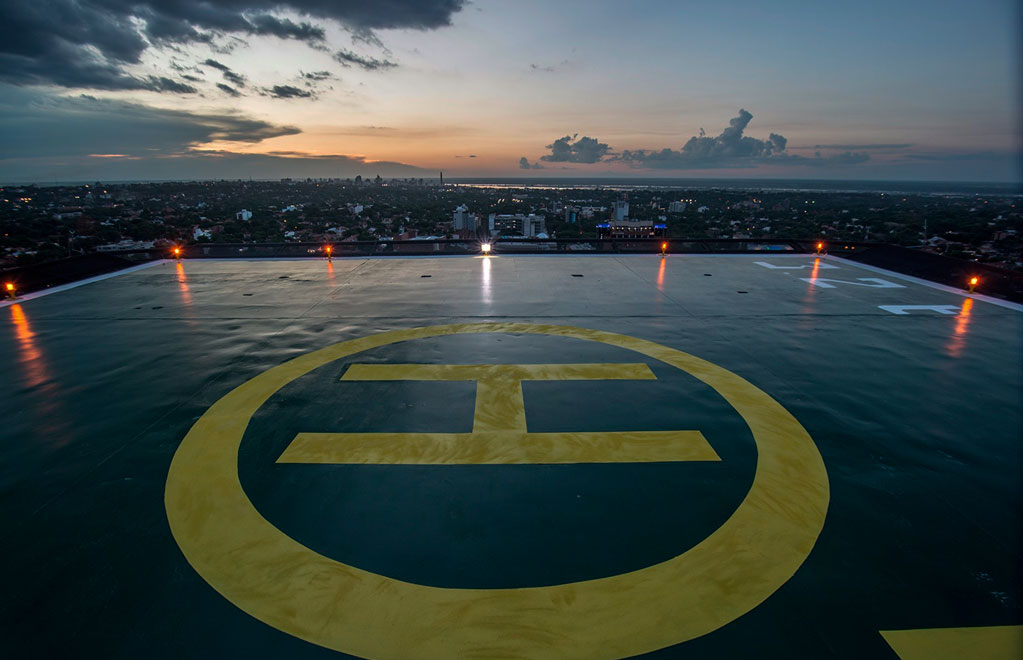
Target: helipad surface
[{"x": 535, "y": 457}]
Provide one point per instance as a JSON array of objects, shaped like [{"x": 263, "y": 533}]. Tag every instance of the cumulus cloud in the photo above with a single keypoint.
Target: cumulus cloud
[
  {"x": 583, "y": 150},
  {"x": 348, "y": 58},
  {"x": 94, "y": 43},
  {"x": 732, "y": 149},
  {"x": 524, "y": 164},
  {"x": 287, "y": 92}
]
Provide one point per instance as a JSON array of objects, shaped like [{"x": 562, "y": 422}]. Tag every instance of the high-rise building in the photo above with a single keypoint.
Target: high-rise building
[
  {"x": 677, "y": 207},
  {"x": 621, "y": 208},
  {"x": 462, "y": 219}
]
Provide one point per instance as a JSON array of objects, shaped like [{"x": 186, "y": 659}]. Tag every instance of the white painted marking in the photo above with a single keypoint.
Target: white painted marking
[
  {"x": 821, "y": 266},
  {"x": 822, "y": 282},
  {"x": 934, "y": 285},
  {"x": 949, "y": 310}
]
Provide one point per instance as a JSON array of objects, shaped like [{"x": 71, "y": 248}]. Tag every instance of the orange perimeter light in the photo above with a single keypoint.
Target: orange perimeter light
[
  {"x": 9, "y": 287},
  {"x": 664, "y": 248},
  {"x": 974, "y": 281},
  {"x": 485, "y": 247},
  {"x": 820, "y": 247},
  {"x": 177, "y": 253},
  {"x": 330, "y": 251}
]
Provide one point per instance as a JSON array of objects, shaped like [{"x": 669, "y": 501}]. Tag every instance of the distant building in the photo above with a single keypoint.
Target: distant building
[
  {"x": 244, "y": 215},
  {"x": 519, "y": 224},
  {"x": 621, "y": 208},
  {"x": 677, "y": 207},
  {"x": 462, "y": 220},
  {"x": 571, "y": 215},
  {"x": 126, "y": 244},
  {"x": 632, "y": 229}
]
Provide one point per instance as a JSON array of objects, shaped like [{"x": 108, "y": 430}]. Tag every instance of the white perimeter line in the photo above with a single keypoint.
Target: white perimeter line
[
  {"x": 72, "y": 285},
  {"x": 934, "y": 285}
]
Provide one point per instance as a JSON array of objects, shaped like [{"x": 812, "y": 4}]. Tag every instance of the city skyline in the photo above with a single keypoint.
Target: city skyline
[{"x": 250, "y": 88}]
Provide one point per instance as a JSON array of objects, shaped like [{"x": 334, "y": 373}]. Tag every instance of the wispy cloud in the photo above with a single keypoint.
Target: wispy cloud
[
  {"x": 348, "y": 58},
  {"x": 287, "y": 92}
]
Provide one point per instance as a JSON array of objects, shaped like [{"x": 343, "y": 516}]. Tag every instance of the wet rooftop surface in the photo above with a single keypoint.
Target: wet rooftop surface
[{"x": 695, "y": 457}]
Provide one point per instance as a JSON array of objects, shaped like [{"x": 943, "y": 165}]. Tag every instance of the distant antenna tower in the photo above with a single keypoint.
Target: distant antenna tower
[{"x": 442, "y": 179}]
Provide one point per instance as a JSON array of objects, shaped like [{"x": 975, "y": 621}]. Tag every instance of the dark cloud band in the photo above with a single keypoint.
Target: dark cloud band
[{"x": 89, "y": 43}]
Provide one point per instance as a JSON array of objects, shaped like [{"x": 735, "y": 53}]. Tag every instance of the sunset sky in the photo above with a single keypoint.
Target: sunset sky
[{"x": 120, "y": 89}]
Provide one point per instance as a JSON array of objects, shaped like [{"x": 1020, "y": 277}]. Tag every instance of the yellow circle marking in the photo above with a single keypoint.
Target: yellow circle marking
[{"x": 292, "y": 588}]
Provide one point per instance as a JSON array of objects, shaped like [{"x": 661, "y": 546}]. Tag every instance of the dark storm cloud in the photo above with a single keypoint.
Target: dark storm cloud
[
  {"x": 230, "y": 90},
  {"x": 732, "y": 149},
  {"x": 317, "y": 76},
  {"x": 89, "y": 43},
  {"x": 583, "y": 150},
  {"x": 524, "y": 164},
  {"x": 287, "y": 92},
  {"x": 42, "y": 125},
  {"x": 348, "y": 58}
]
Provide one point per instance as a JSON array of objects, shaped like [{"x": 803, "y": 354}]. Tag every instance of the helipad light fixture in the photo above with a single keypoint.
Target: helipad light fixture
[
  {"x": 485, "y": 248},
  {"x": 9, "y": 287},
  {"x": 664, "y": 248},
  {"x": 177, "y": 252},
  {"x": 974, "y": 281},
  {"x": 330, "y": 252},
  {"x": 820, "y": 248}
]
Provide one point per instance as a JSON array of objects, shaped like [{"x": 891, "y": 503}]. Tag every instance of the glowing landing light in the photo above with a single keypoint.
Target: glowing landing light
[
  {"x": 177, "y": 252},
  {"x": 9, "y": 287},
  {"x": 974, "y": 281},
  {"x": 820, "y": 248},
  {"x": 485, "y": 248},
  {"x": 664, "y": 249},
  {"x": 329, "y": 249}
]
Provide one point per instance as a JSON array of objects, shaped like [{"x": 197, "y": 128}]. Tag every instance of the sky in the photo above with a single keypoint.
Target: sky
[{"x": 199, "y": 89}]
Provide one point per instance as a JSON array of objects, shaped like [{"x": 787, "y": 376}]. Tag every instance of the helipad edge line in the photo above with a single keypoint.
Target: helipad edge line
[
  {"x": 934, "y": 285},
  {"x": 72, "y": 285}
]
